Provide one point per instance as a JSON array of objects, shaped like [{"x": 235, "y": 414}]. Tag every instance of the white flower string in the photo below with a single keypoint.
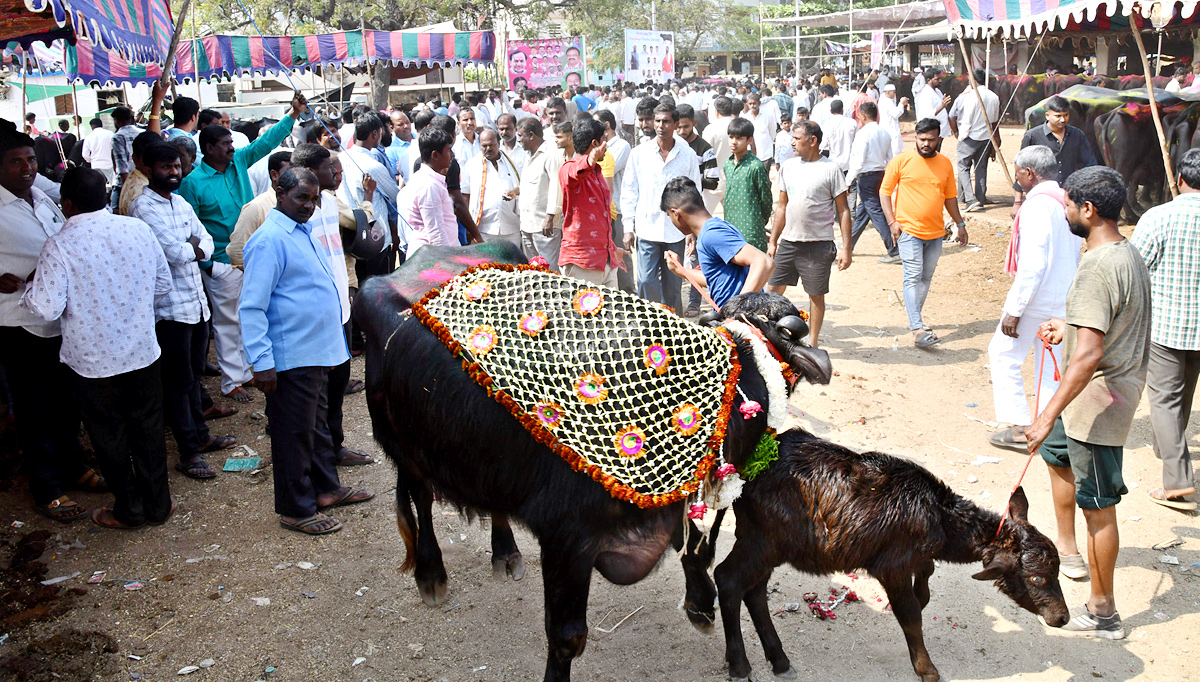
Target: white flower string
[{"x": 769, "y": 368}]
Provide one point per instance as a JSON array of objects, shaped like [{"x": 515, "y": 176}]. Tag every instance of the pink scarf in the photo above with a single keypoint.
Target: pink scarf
[{"x": 1014, "y": 242}]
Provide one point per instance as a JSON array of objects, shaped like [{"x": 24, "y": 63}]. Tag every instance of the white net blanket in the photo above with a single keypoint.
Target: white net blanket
[{"x": 621, "y": 388}]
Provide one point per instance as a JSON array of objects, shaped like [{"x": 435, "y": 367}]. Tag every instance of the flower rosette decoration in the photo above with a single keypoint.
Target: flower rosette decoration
[
  {"x": 630, "y": 442},
  {"x": 686, "y": 419},
  {"x": 550, "y": 414},
  {"x": 482, "y": 339},
  {"x": 477, "y": 290},
  {"x": 658, "y": 358},
  {"x": 588, "y": 301},
  {"x": 590, "y": 388},
  {"x": 532, "y": 323}
]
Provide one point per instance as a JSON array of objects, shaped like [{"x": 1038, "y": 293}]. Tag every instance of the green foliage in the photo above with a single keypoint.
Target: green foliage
[{"x": 765, "y": 452}]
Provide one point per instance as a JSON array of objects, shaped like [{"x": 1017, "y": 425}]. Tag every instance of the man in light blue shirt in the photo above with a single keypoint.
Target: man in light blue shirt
[{"x": 291, "y": 320}]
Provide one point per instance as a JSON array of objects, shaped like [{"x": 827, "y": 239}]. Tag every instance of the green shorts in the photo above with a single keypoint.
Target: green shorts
[{"x": 1097, "y": 468}]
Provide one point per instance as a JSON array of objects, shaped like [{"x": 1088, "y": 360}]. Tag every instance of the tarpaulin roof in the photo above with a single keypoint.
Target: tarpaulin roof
[
  {"x": 1024, "y": 18},
  {"x": 888, "y": 17},
  {"x": 229, "y": 56},
  {"x": 140, "y": 30},
  {"x": 35, "y": 92}
]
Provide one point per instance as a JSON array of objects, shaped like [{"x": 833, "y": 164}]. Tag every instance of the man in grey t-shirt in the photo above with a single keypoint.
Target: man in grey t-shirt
[{"x": 813, "y": 198}]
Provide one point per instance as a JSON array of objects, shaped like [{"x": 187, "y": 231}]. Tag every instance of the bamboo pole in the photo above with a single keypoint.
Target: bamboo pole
[
  {"x": 1162, "y": 138},
  {"x": 991, "y": 129},
  {"x": 169, "y": 62}
]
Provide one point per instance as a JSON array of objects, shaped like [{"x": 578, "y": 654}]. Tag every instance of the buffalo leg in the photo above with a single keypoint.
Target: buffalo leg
[
  {"x": 760, "y": 613},
  {"x": 506, "y": 558},
  {"x": 734, "y": 576},
  {"x": 907, "y": 609},
  {"x": 430, "y": 573},
  {"x": 921, "y": 583},
  {"x": 700, "y": 593},
  {"x": 566, "y": 578},
  {"x": 406, "y": 521}
]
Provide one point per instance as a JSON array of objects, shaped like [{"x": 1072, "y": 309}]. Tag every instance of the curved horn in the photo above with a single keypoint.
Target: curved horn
[{"x": 792, "y": 327}]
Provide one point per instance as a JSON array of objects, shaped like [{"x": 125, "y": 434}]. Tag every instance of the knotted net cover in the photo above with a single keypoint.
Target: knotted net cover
[{"x": 622, "y": 389}]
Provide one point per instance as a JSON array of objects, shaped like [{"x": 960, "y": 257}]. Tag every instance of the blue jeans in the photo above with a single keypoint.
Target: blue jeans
[
  {"x": 919, "y": 258},
  {"x": 869, "y": 210},
  {"x": 655, "y": 282},
  {"x": 694, "y": 298}
]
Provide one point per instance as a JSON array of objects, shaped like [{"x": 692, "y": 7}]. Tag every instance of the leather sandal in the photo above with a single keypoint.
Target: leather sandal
[
  {"x": 91, "y": 482},
  {"x": 63, "y": 510}
]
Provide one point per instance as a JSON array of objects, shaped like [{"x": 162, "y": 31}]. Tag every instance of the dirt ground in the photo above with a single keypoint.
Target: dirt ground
[{"x": 207, "y": 574}]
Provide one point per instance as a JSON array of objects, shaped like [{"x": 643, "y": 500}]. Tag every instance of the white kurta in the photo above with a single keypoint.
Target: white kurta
[
  {"x": 889, "y": 120},
  {"x": 1047, "y": 258},
  {"x": 486, "y": 185}
]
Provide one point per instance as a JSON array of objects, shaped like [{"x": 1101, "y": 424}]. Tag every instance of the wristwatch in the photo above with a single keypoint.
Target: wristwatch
[{"x": 962, "y": 224}]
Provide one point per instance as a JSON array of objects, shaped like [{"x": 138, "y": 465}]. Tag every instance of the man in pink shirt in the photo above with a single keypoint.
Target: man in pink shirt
[{"x": 425, "y": 203}]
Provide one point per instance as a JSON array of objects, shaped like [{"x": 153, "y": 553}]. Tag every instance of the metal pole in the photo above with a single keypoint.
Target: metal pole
[
  {"x": 762, "y": 62},
  {"x": 1162, "y": 138},
  {"x": 196, "y": 75},
  {"x": 987, "y": 61},
  {"x": 654, "y": 16},
  {"x": 850, "y": 68},
  {"x": 24, "y": 89},
  {"x": 796, "y": 28}
]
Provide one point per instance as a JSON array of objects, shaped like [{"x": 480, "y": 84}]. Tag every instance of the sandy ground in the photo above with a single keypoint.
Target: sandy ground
[{"x": 204, "y": 571}]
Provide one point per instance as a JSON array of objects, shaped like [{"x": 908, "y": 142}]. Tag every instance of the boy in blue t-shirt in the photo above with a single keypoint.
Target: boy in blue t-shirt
[{"x": 728, "y": 265}]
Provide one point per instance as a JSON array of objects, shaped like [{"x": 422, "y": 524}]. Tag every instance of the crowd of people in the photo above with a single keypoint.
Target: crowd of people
[{"x": 156, "y": 238}]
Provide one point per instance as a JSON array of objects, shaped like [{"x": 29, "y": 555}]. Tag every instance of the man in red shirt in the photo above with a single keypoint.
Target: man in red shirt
[{"x": 588, "y": 251}]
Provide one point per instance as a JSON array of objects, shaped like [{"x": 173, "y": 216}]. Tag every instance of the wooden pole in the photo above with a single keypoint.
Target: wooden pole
[
  {"x": 367, "y": 58},
  {"x": 991, "y": 129},
  {"x": 1162, "y": 138},
  {"x": 169, "y": 62},
  {"x": 24, "y": 89}
]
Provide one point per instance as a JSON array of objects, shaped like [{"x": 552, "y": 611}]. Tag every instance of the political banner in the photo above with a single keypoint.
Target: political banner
[
  {"x": 541, "y": 63},
  {"x": 649, "y": 56}
]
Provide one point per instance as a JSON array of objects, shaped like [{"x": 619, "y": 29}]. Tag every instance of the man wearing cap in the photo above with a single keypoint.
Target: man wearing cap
[{"x": 889, "y": 115}]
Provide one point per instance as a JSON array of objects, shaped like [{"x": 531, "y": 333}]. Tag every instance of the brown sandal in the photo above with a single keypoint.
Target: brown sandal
[
  {"x": 91, "y": 482},
  {"x": 63, "y": 510},
  {"x": 104, "y": 518}
]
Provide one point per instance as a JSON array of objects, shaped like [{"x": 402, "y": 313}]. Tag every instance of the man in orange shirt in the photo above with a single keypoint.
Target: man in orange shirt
[{"x": 916, "y": 186}]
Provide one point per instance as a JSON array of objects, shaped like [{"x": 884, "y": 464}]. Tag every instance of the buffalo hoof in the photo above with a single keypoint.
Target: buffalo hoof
[
  {"x": 433, "y": 594},
  {"x": 789, "y": 674},
  {"x": 512, "y": 566},
  {"x": 703, "y": 622}
]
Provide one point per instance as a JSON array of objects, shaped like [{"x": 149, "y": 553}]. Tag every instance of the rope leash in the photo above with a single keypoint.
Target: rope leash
[{"x": 1037, "y": 409}]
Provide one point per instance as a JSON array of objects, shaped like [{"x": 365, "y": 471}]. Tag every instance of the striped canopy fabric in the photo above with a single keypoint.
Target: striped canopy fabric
[
  {"x": 139, "y": 30},
  {"x": 223, "y": 57},
  {"x": 976, "y": 19}
]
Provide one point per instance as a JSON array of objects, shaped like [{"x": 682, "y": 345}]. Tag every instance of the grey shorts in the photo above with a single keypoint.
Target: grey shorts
[{"x": 806, "y": 262}]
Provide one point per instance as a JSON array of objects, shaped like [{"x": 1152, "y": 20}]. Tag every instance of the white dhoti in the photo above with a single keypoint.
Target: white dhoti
[
  {"x": 224, "y": 287},
  {"x": 1006, "y": 357}
]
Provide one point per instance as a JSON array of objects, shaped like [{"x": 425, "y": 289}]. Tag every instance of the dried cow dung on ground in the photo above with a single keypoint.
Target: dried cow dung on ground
[{"x": 69, "y": 655}]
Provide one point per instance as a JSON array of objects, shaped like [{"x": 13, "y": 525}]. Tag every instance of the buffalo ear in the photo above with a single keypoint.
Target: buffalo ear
[
  {"x": 998, "y": 566},
  {"x": 1018, "y": 506}
]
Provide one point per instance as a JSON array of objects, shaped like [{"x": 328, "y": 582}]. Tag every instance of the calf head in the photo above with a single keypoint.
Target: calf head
[
  {"x": 1024, "y": 565},
  {"x": 780, "y": 323}
]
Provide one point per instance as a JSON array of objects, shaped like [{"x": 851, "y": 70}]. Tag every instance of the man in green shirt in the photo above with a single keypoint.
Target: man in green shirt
[
  {"x": 747, "y": 186},
  {"x": 1082, "y": 431},
  {"x": 217, "y": 189}
]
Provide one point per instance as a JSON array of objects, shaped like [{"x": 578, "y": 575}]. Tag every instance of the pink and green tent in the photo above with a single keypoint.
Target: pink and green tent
[{"x": 1014, "y": 19}]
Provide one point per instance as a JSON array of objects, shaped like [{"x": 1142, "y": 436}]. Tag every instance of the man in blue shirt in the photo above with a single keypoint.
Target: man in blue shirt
[
  {"x": 291, "y": 320},
  {"x": 582, "y": 101},
  {"x": 728, "y": 265}
]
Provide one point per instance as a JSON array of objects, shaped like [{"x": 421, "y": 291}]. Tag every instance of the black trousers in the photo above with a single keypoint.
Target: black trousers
[
  {"x": 47, "y": 420},
  {"x": 339, "y": 378},
  {"x": 184, "y": 347},
  {"x": 124, "y": 418},
  {"x": 302, "y": 455}
]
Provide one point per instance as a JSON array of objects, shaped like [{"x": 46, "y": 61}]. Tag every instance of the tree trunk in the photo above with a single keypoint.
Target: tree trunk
[{"x": 381, "y": 79}]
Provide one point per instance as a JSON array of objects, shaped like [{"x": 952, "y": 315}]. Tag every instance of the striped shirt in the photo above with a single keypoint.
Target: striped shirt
[{"x": 1168, "y": 237}]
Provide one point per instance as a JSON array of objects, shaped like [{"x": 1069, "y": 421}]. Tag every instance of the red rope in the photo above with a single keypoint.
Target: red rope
[{"x": 1037, "y": 406}]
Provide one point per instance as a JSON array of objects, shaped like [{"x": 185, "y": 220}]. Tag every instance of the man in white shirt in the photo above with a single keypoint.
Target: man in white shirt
[
  {"x": 717, "y": 135},
  {"x": 930, "y": 102},
  {"x": 506, "y": 125},
  {"x": 97, "y": 150},
  {"x": 766, "y": 124},
  {"x": 838, "y": 133},
  {"x": 628, "y": 114},
  {"x": 869, "y": 156},
  {"x": 1047, "y": 256},
  {"x": 973, "y": 126},
  {"x": 359, "y": 161},
  {"x": 101, "y": 275},
  {"x": 820, "y": 110},
  {"x": 890, "y": 111},
  {"x": 47, "y": 421},
  {"x": 491, "y": 180},
  {"x": 466, "y": 144},
  {"x": 650, "y": 167},
  {"x": 542, "y": 162}
]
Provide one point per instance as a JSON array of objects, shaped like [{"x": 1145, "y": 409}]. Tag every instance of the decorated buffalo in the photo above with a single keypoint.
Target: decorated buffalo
[
  {"x": 589, "y": 415},
  {"x": 823, "y": 508}
]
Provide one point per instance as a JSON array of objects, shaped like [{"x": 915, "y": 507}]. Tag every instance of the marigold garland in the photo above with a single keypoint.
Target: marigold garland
[{"x": 545, "y": 437}]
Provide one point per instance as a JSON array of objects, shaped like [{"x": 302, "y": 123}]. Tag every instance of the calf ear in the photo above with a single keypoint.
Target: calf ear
[
  {"x": 1018, "y": 506},
  {"x": 997, "y": 567}
]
